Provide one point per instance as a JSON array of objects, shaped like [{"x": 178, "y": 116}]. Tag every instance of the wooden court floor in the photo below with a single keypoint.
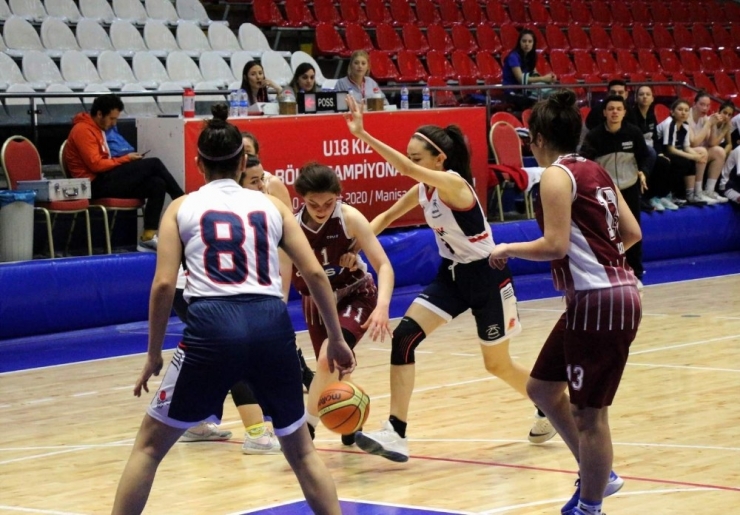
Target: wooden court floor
[{"x": 67, "y": 431}]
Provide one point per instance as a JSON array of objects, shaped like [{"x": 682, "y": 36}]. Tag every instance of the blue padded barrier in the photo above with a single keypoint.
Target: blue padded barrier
[
  {"x": 51, "y": 296},
  {"x": 55, "y": 295}
]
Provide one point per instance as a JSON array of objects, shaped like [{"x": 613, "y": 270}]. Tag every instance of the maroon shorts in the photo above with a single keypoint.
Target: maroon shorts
[
  {"x": 589, "y": 345},
  {"x": 354, "y": 306}
]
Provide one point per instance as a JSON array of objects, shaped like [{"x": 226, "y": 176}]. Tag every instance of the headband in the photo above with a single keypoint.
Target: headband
[
  {"x": 433, "y": 144},
  {"x": 222, "y": 158}
]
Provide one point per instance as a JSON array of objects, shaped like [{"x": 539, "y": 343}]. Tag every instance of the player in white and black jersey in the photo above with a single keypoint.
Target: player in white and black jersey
[
  {"x": 587, "y": 228},
  {"x": 237, "y": 327},
  {"x": 439, "y": 160}
]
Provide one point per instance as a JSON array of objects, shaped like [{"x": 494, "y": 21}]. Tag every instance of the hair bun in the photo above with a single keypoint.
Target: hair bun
[
  {"x": 563, "y": 99},
  {"x": 220, "y": 111}
]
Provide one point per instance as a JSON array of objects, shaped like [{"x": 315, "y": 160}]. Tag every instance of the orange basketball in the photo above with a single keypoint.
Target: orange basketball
[{"x": 343, "y": 407}]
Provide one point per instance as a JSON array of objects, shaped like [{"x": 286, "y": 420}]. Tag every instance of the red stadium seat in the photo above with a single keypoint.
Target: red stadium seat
[
  {"x": 679, "y": 13},
  {"x": 665, "y": 91},
  {"x": 701, "y": 37},
  {"x": 607, "y": 65},
  {"x": 661, "y": 112},
  {"x": 627, "y": 62},
  {"x": 540, "y": 38},
  {"x": 721, "y": 37},
  {"x": 402, "y": 12},
  {"x": 710, "y": 60},
  {"x": 684, "y": 92},
  {"x": 690, "y": 62},
  {"x": 414, "y": 39},
  {"x": 383, "y": 68},
  {"x": 298, "y": 14},
  {"x": 601, "y": 13},
  {"x": 439, "y": 66},
  {"x": 559, "y": 12},
  {"x": 442, "y": 97},
  {"x": 621, "y": 39},
  {"x": 669, "y": 62},
  {"x": 561, "y": 63},
  {"x": 543, "y": 65},
  {"x": 518, "y": 12},
  {"x": 351, "y": 11},
  {"x": 648, "y": 61},
  {"x": 595, "y": 78},
  {"x": 600, "y": 38},
  {"x": 556, "y": 38},
  {"x": 463, "y": 39},
  {"x": 578, "y": 38},
  {"x": 682, "y": 36},
  {"x": 525, "y": 117},
  {"x": 732, "y": 12},
  {"x": 642, "y": 38},
  {"x": 621, "y": 15},
  {"x": 510, "y": 37},
  {"x": 699, "y": 12},
  {"x": 702, "y": 81},
  {"x": 267, "y": 14},
  {"x": 725, "y": 85},
  {"x": 357, "y": 38},
  {"x": 730, "y": 60},
  {"x": 487, "y": 38},
  {"x": 641, "y": 14},
  {"x": 571, "y": 81},
  {"x": 489, "y": 67},
  {"x": 580, "y": 13},
  {"x": 472, "y": 12},
  {"x": 388, "y": 39},
  {"x": 376, "y": 12},
  {"x": 326, "y": 12},
  {"x": 329, "y": 42},
  {"x": 427, "y": 13},
  {"x": 466, "y": 71},
  {"x": 539, "y": 14},
  {"x": 584, "y": 63},
  {"x": 439, "y": 39},
  {"x": 504, "y": 116},
  {"x": 661, "y": 14},
  {"x": 410, "y": 67},
  {"x": 662, "y": 38},
  {"x": 450, "y": 13},
  {"x": 496, "y": 14}
]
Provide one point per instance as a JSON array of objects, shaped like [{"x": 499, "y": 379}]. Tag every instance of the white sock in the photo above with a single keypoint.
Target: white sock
[
  {"x": 589, "y": 508},
  {"x": 711, "y": 184},
  {"x": 313, "y": 420},
  {"x": 697, "y": 189}
]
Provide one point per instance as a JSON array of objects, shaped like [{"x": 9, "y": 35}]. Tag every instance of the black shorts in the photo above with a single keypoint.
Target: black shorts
[
  {"x": 487, "y": 291},
  {"x": 228, "y": 339}
]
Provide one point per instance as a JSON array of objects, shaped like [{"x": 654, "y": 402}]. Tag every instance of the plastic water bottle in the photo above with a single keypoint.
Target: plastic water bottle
[
  {"x": 233, "y": 104},
  {"x": 243, "y": 103},
  {"x": 425, "y": 103},
  {"x": 404, "y": 98}
]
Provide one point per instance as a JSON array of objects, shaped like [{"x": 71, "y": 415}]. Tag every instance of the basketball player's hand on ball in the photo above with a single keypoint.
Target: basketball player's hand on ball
[
  {"x": 378, "y": 324},
  {"x": 340, "y": 357},
  {"x": 498, "y": 256},
  {"x": 151, "y": 368},
  {"x": 354, "y": 116}
]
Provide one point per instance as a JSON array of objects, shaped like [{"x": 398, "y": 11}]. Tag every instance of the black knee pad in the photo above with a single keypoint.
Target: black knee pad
[
  {"x": 406, "y": 337},
  {"x": 242, "y": 394}
]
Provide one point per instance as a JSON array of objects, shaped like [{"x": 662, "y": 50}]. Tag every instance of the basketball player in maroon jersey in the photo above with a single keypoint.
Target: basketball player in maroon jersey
[
  {"x": 333, "y": 229},
  {"x": 587, "y": 228}
]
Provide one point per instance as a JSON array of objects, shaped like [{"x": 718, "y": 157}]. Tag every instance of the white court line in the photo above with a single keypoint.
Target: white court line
[
  {"x": 687, "y": 367},
  {"x": 626, "y": 494},
  {"x": 66, "y": 450},
  {"x": 84, "y": 394},
  {"x": 33, "y": 510},
  {"x": 690, "y": 344}
]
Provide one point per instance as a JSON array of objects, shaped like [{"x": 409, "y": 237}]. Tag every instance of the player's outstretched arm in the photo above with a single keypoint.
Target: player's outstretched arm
[
  {"x": 406, "y": 203},
  {"x": 169, "y": 251},
  {"x": 378, "y": 323},
  {"x": 299, "y": 251}
]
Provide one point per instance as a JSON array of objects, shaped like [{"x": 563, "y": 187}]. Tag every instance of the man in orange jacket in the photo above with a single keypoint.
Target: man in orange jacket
[{"x": 87, "y": 155}]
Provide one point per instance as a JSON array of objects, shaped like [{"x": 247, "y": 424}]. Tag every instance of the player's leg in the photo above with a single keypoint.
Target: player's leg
[
  {"x": 390, "y": 442},
  {"x": 152, "y": 443},
  {"x": 258, "y": 436},
  {"x": 314, "y": 478}
]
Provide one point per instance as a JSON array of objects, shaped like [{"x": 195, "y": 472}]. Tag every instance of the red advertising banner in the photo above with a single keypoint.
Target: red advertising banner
[{"x": 368, "y": 182}]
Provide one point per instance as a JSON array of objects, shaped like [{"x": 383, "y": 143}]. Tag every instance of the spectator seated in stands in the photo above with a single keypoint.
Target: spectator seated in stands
[
  {"x": 673, "y": 142},
  {"x": 256, "y": 84},
  {"x": 359, "y": 84},
  {"x": 86, "y": 155},
  {"x": 706, "y": 137},
  {"x": 520, "y": 67},
  {"x": 725, "y": 127},
  {"x": 304, "y": 79},
  {"x": 621, "y": 150},
  {"x": 657, "y": 168},
  {"x": 596, "y": 116}
]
